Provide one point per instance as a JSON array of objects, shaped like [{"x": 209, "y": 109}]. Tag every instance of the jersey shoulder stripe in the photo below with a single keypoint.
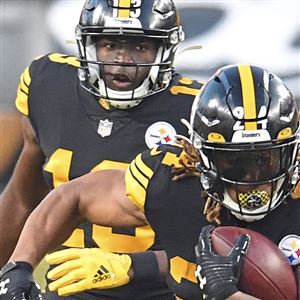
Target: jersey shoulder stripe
[
  {"x": 64, "y": 59},
  {"x": 184, "y": 85},
  {"x": 142, "y": 169},
  {"x": 38, "y": 68},
  {"x": 23, "y": 91},
  {"x": 137, "y": 178}
]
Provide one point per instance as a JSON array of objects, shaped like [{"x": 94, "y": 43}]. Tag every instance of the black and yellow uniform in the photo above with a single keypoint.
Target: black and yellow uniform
[
  {"x": 175, "y": 212},
  {"x": 79, "y": 135}
]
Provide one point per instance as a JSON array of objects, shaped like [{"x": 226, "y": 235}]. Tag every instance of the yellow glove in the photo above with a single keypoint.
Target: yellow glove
[{"x": 83, "y": 269}]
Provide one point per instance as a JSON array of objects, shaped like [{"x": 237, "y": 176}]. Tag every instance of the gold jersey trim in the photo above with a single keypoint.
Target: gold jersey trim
[
  {"x": 137, "y": 178},
  {"x": 22, "y": 92}
]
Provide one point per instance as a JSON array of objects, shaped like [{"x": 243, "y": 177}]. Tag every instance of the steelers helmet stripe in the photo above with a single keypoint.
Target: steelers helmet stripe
[
  {"x": 248, "y": 95},
  {"x": 123, "y": 12}
]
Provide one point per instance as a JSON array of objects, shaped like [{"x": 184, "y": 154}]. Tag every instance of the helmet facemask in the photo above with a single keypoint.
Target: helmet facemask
[
  {"x": 245, "y": 126},
  {"x": 166, "y": 34},
  {"x": 250, "y": 182}
]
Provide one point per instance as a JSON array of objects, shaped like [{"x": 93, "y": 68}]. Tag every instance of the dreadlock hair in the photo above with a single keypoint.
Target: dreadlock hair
[{"x": 188, "y": 160}]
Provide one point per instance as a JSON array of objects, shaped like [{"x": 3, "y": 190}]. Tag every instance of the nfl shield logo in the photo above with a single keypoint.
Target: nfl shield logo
[{"x": 104, "y": 128}]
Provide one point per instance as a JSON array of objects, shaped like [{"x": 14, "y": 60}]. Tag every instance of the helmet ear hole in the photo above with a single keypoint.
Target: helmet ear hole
[{"x": 208, "y": 178}]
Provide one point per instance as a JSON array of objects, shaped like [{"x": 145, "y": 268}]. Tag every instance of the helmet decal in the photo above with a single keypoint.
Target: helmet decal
[
  {"x": 253, "y": 199},
  {"x": 285, "y": 133}
]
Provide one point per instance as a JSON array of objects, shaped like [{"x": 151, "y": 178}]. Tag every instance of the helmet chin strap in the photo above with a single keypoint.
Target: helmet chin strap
[
  {"x": 121, "y": 99},
  {"x": 124, "y": 95}
]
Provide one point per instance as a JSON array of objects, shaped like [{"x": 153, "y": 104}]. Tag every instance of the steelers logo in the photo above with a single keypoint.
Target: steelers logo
[
  {"x": 290, "y": 246},
  {"x": 253, "y": 199},
  {"x": 159, "y": 133}
]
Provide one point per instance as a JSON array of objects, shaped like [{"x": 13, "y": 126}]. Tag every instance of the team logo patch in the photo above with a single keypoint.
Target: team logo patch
[
  {"x": 159, "y": 133},
  {"x": 290, "y": 246},
  {"x": 105, "y": 128}
]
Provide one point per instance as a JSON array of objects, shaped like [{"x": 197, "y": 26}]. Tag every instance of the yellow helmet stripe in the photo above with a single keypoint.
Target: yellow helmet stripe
[
  {"x": 124, "y": 13},
  {"x": 248, "y": 95}
]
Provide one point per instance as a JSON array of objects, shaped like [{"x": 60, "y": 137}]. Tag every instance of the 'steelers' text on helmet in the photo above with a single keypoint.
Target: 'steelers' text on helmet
[
  {"x": 156, "y": 19},
  {"x": 245, "y": 126}
]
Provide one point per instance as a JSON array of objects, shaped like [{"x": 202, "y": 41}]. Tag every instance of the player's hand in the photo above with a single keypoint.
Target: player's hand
[
  {"x": 83, "y": 269},
  {"x": 16, "y": 282},
  {"x": 218, "y": 275}
]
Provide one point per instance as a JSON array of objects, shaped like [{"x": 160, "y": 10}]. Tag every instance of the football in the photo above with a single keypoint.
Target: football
[{"x": 266, "y": 273}]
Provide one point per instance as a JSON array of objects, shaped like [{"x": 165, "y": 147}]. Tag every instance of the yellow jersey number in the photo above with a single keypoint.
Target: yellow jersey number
[{"x": 59, "y": 165}]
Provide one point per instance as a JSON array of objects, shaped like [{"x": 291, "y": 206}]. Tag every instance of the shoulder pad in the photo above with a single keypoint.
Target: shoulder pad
[
  {"x": 184, "y": 85},
  {"x": 143, "y": 168}
]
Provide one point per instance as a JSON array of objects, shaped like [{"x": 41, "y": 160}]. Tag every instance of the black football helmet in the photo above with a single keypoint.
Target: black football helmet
[
  {"x": 245, "y": 126},
  {"x": 156, "y": 19}
]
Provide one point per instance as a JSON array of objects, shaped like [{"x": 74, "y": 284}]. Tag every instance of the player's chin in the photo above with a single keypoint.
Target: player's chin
[{"x": 122, "y": 86}]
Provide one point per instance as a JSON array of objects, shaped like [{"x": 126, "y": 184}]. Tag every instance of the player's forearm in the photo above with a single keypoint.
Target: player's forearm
[
  {"x": 22, "y": 194},
  {"x": 49, "y": 225},
  {"x": 10, "y": 226},
  {"x": 13, "y": 203}
]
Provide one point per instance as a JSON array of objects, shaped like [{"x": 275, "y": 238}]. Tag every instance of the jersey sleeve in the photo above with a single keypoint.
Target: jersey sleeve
[
  {"x": 39, "y": 71},
  {"x": 23, "y": 92},
  {"x": 172, "y": 208},
  {"x": 138, "y": 175},
  {"x": 148, "y": 166}
]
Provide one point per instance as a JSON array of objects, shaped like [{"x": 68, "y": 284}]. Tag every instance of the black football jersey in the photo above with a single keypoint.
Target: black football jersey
[
  {"x": 175, "y": 212},
  {"x": 79, "y": 135}
]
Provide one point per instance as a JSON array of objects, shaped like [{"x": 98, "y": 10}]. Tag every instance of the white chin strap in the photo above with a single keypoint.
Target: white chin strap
[
  {"x": 263, "y": 210},
  {"x": 139, "y": 92}
]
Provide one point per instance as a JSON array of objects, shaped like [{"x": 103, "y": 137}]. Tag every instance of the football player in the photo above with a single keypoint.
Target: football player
[
  {"x": 120, "y": 97},
  {"x": 242, "y": 149}
]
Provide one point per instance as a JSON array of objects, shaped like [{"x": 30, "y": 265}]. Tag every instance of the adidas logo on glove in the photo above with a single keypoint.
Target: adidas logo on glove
[{"x": 102, "y": 274}]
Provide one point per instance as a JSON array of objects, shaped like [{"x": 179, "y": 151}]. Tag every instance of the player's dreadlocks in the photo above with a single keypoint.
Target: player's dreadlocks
[{"x": 188, "y": 161}]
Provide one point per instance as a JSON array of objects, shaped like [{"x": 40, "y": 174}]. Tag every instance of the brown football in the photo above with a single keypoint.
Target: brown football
[{"x": 266, "y": 273}]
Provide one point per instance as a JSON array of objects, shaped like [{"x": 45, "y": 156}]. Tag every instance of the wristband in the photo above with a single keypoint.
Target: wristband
[
  {"x": 145, "y": 266},
  {"x": 14, "y": 264}
]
